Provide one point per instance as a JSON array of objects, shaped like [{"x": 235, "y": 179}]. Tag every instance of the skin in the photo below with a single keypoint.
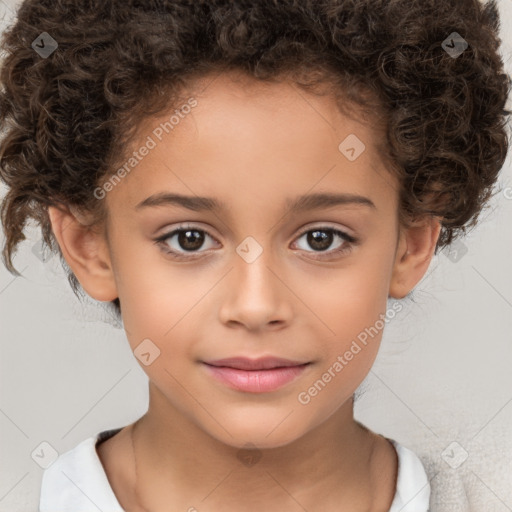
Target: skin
[{"x": 251, "y": 146}]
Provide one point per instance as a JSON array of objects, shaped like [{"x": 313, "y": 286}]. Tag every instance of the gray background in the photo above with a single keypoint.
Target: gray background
[{"x": 441, "y": 385}]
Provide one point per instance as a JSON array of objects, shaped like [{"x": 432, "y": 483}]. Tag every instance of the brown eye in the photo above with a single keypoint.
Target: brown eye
[
  {"x": 321, "y": 239},
  {"x": 190, "y": 240},
  {"x": 184, "y": 240}
]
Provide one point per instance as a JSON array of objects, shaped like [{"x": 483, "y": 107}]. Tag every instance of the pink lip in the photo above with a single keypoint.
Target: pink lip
[
  {"x": 256, "y": 380},
  {"x": 262, "y": 363}
]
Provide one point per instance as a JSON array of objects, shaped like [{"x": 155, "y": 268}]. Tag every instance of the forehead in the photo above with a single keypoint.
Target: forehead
[{"x": 246, "y": 137}]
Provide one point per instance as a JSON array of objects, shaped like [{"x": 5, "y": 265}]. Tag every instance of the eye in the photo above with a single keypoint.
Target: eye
[
  {"x": 321, "y": 238},
  {"x": 187, "y": 239}
]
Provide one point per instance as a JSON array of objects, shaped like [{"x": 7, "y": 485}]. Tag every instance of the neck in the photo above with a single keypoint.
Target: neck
[{"x": 178, "y": 463}]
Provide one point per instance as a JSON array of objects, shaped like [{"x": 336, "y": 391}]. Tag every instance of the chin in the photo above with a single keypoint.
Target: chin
[{"x": 255, "y": 435}]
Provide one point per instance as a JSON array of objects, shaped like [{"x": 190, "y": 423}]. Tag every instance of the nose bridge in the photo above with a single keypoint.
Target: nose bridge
[
  {"x": 252, "y": 274},
  {"x": 255, "y": 295}
]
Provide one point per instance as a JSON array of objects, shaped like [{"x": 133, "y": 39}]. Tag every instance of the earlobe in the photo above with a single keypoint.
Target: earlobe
[
  {"x": 413, "y": 256},
  {"x": 85, "y": 251}
]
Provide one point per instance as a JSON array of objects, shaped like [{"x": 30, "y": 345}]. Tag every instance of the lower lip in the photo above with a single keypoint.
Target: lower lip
[{"x": 256, "y": 381}]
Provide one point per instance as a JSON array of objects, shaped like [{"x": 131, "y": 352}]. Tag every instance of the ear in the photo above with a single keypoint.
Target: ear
[
  {"x": 413, "y": 255},
  {"x": 86, "y": 252}
]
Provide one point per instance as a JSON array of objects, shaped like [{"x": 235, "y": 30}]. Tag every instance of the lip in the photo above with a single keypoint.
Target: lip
[
  {"x": 278, "y": 373},
  {"x": 261, "y": 363}
]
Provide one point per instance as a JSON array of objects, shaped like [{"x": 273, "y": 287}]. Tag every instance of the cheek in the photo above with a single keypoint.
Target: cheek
[
  {"x": 351, "y": 303},
  {"x": 161, "y": 304},
  {"x": 154, "y": 295},
  {"x": 347, "y": 355},
  {"x": 346, "y": 301}
]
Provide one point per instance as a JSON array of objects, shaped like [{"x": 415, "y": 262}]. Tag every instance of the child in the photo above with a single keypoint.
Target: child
[{"x": 248, "y": 183}]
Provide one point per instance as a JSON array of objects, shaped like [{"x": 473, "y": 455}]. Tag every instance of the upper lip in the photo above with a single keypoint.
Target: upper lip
[{"x": 262, "y": 363}]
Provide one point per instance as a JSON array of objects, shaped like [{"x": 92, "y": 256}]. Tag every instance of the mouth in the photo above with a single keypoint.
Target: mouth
[
  {"x": 262, "y": 363},
  {"x": 255, "y": 376}
]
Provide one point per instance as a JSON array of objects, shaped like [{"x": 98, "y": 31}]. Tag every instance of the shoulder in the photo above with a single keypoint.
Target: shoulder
[
  {"x": 77, "y": 480},
  {"x": 412, "y": 485}
]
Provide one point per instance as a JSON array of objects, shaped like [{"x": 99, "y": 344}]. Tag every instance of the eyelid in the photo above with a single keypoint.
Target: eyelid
[
  {"x": 326, "y": 225},
  {"x": 171, "y": 232},
  {"x": 348, "y": 239},
  {"x": 349, "y": 242}
]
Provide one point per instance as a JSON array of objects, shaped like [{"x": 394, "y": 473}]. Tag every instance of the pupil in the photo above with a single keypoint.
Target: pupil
[
  {"x": 184, "y": 241},
  {"x": 317, "y": 239}
]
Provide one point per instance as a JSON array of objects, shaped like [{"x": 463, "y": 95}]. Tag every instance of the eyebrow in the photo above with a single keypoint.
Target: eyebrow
[{"x": 301, "y": 203}]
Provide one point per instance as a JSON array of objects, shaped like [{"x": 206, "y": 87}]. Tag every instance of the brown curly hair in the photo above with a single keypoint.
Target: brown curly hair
[{"x": 67, "y": 119}]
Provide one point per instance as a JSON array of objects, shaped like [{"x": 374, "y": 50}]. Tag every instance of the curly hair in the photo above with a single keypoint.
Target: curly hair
[{"x": 67, "y": 119}]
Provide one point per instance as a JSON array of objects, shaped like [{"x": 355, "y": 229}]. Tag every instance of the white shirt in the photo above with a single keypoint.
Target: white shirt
[{"x": 77, "y": 482}]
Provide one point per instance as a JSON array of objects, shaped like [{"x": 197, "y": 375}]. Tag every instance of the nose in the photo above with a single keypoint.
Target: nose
[{"x": 256, "y": 295}]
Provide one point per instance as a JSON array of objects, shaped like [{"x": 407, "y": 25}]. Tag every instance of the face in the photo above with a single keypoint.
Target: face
[{"x": 254, "y": 277}]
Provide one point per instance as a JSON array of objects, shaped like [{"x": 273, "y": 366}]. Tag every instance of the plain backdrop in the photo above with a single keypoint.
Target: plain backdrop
[{"x": 441, "y": 385}]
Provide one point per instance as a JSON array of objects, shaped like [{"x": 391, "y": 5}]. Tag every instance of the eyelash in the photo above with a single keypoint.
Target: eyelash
[{"x": 350, "y": 241}]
